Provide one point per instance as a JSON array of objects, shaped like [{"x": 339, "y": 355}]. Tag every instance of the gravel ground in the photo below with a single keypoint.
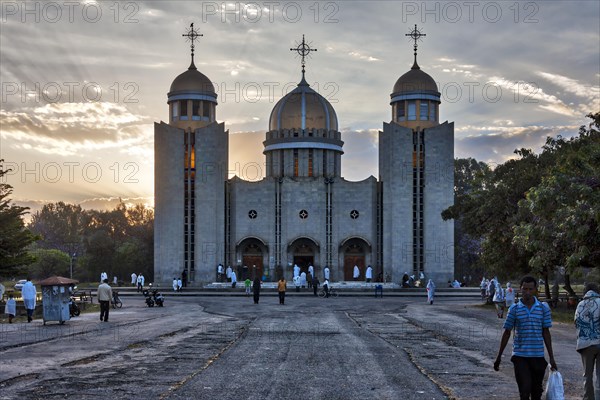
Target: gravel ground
[{"x": 310, "y": 348}]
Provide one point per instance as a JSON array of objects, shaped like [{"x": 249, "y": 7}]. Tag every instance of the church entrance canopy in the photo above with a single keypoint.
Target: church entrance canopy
[
  {"x": 353, "y": 251},
  {"x": 253, "y": 253},
  {"x": 302, "y": 251}
]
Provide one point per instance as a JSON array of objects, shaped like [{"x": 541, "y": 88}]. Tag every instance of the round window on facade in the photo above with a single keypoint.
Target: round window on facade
[
  {"x": 252, "y": 214},
  {"x": 303, "y": 214}
]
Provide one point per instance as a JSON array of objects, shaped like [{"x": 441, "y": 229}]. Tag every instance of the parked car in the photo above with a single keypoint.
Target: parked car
[{"x": 19, "y": 285}]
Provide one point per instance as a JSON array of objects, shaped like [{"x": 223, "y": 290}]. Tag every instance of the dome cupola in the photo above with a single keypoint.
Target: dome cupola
[
  {"x": 192, "y": 98},
  {"x": 303, "y": 138},
  {"x": 415, "y": 97}
]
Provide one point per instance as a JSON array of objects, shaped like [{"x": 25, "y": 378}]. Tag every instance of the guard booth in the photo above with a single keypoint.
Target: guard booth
[{"x": 56, "y": 298}]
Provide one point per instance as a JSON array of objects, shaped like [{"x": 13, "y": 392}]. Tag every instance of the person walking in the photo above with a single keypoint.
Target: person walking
[
  {"x": 29, "y": 294},
  {"x": 369, "y": 274},
  {"x": 104, "y": 297},
  {"x": 174, "y": 284},
  {"x": 228, "y": 272},
  {"x": 430, "y": 291},
  {"x": 356, "y": 273},
  {"x": 133, "y": 279},
  {"x": 256, "y": 289},
  {"x": 326, "y": 273},
  {"x": 315, "y": 285},
  {"x": 326, "y": 287},
  {"x": 499, "y": 300},
  {"x": 140, "y": 282},
  {"x": 233, "y": 278},
  {"x": 184, "y": 278},
  {"x": 220, "y": 273},
  {"x": 531, "y": 320},
  {"x": 281, "y": 287},
  {"x": 247, "y": 285},
  {"x": 509, "y": 295},
  {"x": 179, "y": 284},
  {"x": 587, "y": 322},
  {"x": 10, "y": 308}
]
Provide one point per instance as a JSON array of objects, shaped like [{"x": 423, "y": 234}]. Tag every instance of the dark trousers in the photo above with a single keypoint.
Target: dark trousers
[
  {"x": 529, "y": 372},
  {"x": 104, "y": 307},
  {"x": 281, "y": 297},
  {"x": 256, "y": 295},
  {"x": 139, "y": 287}
]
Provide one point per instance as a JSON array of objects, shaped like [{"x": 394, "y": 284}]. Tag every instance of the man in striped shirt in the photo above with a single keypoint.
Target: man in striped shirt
[{"x": 532, "y": 321}]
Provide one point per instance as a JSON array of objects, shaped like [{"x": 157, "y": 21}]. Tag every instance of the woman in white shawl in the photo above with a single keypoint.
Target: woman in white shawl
[
  {"x": 29, "y": 294},
  {"x": 430, "y": 291}
]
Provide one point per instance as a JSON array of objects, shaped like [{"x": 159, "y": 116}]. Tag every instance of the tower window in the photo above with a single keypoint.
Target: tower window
[
  {"x": 412, "y": 110},
  {"x": 196, "y": 108},
  {"x": 401, "y": 111},
  {"x": 206, "y": 109},
  {"x": 310, "y": 162},
  {"x": 184, "y": 113},
  {"x": 432, "y": 113},
  {"x": 295, "y": 162},
  {"x": 424, "y": 110},
  {"x": 174, "y": 109}
]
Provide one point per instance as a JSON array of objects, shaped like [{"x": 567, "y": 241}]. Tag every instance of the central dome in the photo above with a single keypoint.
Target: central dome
[{"x": 303, "y": 108}]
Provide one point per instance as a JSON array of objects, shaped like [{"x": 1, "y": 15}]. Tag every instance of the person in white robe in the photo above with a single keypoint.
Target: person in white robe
[
  {"x": 509, "y": 295},
  {"x": 174, "y": 284},
  {"x": 303, "y": 279},
  {"x": 233, "y": 279},
  {"x": 356, "y": 273},
  {"x": 219, "y": 272},
  {"x": 369, "y": 274},
  {"x": 134, "y": 279},
  {"x": 143, "y": 280},
  {"x": 296, "y": 270},
  {"x": 10, "y": 308},
  {"x": 179, "y": 284},
  {"x": 228, "y": 272},
  {"x": 326, "y": 273},
  {"x": 29, "y": 294},
  {"x": 430, "y": 291},
  {"x": 311, "y": 270}
]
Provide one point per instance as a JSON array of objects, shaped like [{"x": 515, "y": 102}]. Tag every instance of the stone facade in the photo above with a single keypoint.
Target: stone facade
[{"x": 303, "y": 212}]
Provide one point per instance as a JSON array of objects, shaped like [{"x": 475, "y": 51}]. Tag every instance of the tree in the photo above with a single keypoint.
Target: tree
[
  {"x": 50, "y": 262},
  {"x": 60, "y": 226},
  {"x": 564, "y": 229},
  {"x": 467, "y": 248},
  {"x": 14, "y": 236}
]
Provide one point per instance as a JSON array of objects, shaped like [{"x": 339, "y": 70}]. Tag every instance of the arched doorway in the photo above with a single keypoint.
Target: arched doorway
[
  {"x": 355, "y": 251},
  {"x": 303, "y": 252},
  {"x": 252, "y": 251}
]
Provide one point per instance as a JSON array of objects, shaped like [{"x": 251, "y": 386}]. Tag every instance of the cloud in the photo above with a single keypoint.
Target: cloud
[
  {"x": 573, "y": 86},
  {"x": 496, "y": 144},
  {"x": 67, "y": 128}
]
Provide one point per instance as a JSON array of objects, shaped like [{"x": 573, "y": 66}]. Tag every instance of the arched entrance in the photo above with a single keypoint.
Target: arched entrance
[
  {"x": 302, "y": 251},
  {"x": 355, "y": 251},
  {"x": 253, "y": 252}
]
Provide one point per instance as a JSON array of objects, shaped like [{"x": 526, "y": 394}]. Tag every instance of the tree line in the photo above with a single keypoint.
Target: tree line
[
  {"x": 62, "y": 237},
  {"x": 533, "y": 214}
]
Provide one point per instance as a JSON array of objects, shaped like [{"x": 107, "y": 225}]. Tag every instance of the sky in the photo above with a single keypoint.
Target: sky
[{"x": 82, "y": 83}]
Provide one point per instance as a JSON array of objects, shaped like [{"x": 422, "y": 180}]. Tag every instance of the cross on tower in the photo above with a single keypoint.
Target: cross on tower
[
  {"x": 415, "y": 35},
  {"x": 192, "y": 35},
  {"x": 303, "y": 49}
]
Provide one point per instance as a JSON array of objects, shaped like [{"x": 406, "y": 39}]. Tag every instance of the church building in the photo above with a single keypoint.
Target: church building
[{"x": 303, "y": 211}]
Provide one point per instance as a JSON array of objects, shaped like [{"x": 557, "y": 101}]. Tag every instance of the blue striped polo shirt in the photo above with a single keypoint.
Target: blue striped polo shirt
[{"x": 528, "y": 324}]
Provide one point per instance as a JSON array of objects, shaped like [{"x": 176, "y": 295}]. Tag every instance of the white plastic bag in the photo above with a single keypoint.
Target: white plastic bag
[{"x": 554, "y": 387}]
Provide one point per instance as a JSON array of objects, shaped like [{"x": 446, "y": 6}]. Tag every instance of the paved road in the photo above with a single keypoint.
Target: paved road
[{"x": 226, "y": 348}]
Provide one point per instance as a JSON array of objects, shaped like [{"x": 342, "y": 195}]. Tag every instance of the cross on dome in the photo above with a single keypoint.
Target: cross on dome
[
  {"x": 304, "y": 50},
  {"x": 192, "y": 35},
  {"x": 415, "y": 35}
]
